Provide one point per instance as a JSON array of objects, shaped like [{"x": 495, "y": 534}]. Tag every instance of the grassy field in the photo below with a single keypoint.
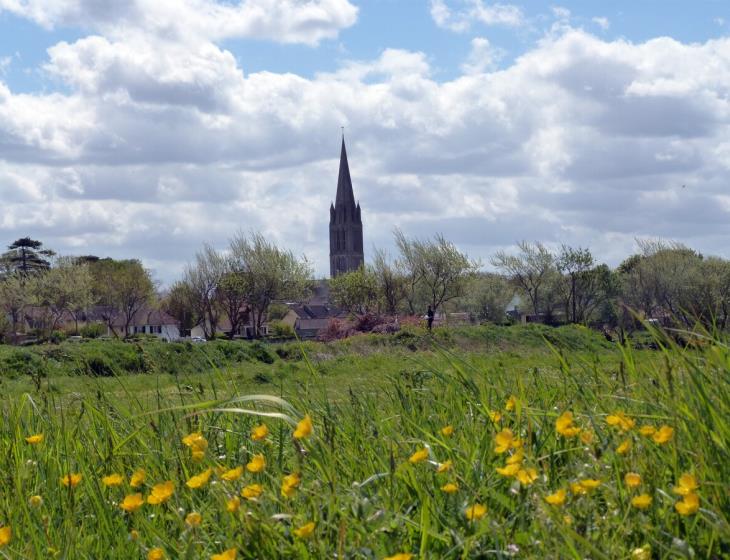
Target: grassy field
[{"x": 456, "y": 446}]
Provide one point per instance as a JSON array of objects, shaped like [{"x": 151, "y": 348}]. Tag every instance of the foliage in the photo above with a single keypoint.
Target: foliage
[
  {"x": 201, "y": 280},
  {"x": 487, "y": 297},
  {"x": 355, "y": 291},
  {"x": 26, "y": 256},
  {"x": 92, "y": 330}
]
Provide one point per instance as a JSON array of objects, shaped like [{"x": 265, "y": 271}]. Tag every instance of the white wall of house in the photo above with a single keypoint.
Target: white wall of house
[{"x": 165, "y": 332}]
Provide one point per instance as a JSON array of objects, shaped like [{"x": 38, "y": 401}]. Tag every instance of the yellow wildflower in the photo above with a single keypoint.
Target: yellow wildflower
[
  {"x": 504, "y": 441},
  {"x": 564, "y": 425},
  {"x": 647, "y": 430},
  {"x": 447, "y": 430},
  {"x": 624, "y": 447},
  {"x": 526, "y": 476},
  {"x": 199, "y": 480},
  {"x": 6, "y": 535},
  {"x": 257, "y": 463},
  {"x": 516, "y": 457},
  {"x": 509, "y": 470},
  {"x": 137, "y": 479},
  {"x": 233, "y": 474},
  {"x": 134, "y": 535},
  {"x": 161, "y": 492},
  {"x": 132, "y": 502},
  {"x": 304, "y": 428},
  {"x": 112, "y": 480},
  {"x": 586, "y": 437},
  {"x": 156, "y": 554},
  {"x": 557, "y": 498},
  {"x": 619, "y": 419},
  {"x": 400, "y": 556},
  {"x": 584, "y": 486},
  {"x": 197, "y": 444},
  {"x": 632, "y": 479},
  {"x": 233, "y": 504},
  {"x": 511, "y": 403},
  {"x": 289, "y": 484},
  {"x": 495, "y": 416},
  {"x": 35, "y": 439},
  {"x": 687, "y": 485},
  {"x": 450, "y": 488},
  {"x": 663, "y": 434},
  {"x": 229, "y": 554},
  {"x": 419, "y": 456},
  {"x": 641, "y": 553},
  {"x": 259, "y": 432},
  {"x": 71, "y": 479},
  {"x": 35, "y": 501},
  {"x": 642, "y": 501},
  {"x": 193, "y": 519},
  {"x": 475, "y": 512},
  {"x": 305, "y": 531},
  {"x": 252, "y": 491},
  {"x": 688, "y": 505},
  {"x": 445, "y": 466}
]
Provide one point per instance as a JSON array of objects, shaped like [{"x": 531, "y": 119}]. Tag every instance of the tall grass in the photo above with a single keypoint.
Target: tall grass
[{"x": 366, "y": 498}]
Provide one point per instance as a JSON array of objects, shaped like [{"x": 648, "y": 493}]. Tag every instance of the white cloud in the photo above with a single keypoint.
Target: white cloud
[
  {"x": 285, "y": 21},
  {"x": 157, "y": 146},
  {"x": 602, "y": 22},
  {"x": 459, "y": 15},
  {"x": 482, "y": 57}
]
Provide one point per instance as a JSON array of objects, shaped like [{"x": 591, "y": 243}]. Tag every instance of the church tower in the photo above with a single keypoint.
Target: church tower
[{"x": 346, "y": 253}]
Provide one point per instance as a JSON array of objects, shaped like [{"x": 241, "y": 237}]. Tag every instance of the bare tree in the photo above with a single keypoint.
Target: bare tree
[{"x": 530, "y": 270}]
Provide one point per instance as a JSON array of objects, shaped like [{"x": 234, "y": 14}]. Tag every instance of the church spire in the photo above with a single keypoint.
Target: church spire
[{"x": 345, "y": 196}]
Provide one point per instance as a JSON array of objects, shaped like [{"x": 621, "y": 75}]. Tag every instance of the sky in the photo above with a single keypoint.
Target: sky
[{"x": 145, "y": 128}]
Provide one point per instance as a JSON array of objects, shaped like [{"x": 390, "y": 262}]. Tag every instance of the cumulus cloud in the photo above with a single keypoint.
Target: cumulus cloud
[
  {"x": 602, "y": 22},
  {"x": 286, "y": 21},
  {"x": 579, "y": 140},
  {"x": 462, "y": 14}
]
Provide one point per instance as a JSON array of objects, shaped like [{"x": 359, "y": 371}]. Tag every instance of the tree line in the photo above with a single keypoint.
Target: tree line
[{"x": 249, "y": 281}]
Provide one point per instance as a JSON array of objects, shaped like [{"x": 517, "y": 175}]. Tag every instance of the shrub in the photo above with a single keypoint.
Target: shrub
[
  {"x": 280, "y": 329},
  {"x": 93, "y": 330}
]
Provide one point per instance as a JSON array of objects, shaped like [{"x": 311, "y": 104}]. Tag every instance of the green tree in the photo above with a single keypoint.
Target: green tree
[
  {"x": 231, "y": 295},
  {"x": 65, "y": 288},
  {"x": 16, "y": 292},
  {"x": 203, "y": 278},
  {"x": 532, "y": 271},
  {"x": 488, "y": 296},
  {"x": 355, "y": 291},
  {"x": 269, "y": 274},
  {"x": 178, "y": 303},
  {"x": 122, "y": 288},
  {"x": 27, "y": 256},
  {"x": 390, "y": 283}
]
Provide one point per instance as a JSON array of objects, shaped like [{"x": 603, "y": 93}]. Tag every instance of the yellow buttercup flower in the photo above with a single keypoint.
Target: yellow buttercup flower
[
  {"x": 526, "y": 476},
  {"x": 199, "y": 480},
  {"x": 233, "y": 474},
  {"x": 663, "y": 434},
  {"x": 35, "y": 501},
  {"x": 112, "y": 480},
  {"x": 475, "y": 512},
  {"x": 6, "y": 535},
  {"x": 647, "y": 431},
  {"x": 557, "y": 498},
  {"x": 450, "y": 488},
  {"x": 504, "y": 441},
  {"x": 688, "y": 505},
  {"x": 161, "y": 493},
  {"x": 495, "y": 416},
  {"x": 584, "y": 486},
  {"x": 624, "y": 447},
  {"x": 447, "y": 430},
  {"x": 304, "y": 428},
  {"x": 509, "y": 470},
  {"x": 564, "y": 425},
  {"x": 35, "y": 439},
  {"x": 289, "y": 484},
  {"x": 71, "y": 480},
  {"x": 229, "y": 554},
  {"x": 516, "y": 457},
  {"x": 511, "y": 403},
  {"x": 193, "y": 519},
  {"x": 641, "y": 501},
  {"x": 134, "y": 535},
  {"x": 687, "y": 485},
  {"x": 400, "y": 556},
  {"x": 137, "y": 479},
  {"x": 419, "y": 456},
  {"x": 252, "y": 491},
  {"x": 632, "y": 479},
  {"x": 642, "y": 553},
  {"x": 233, "y": 504},
  {"x": 156, "y": 554},
  {"x": 257, "y": 463},
  {"x": 132, "y": 502},
  {"x": 305, "y": 531},
  {"x": 197, "y": 444},
  {"x": 260, "y": 432},
  {"x": 445, "y": 466},
  {"x": 619, "y": 419}
]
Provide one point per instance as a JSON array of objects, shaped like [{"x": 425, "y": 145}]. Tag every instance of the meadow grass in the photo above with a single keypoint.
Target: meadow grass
[{"x": 385, "y": 445}]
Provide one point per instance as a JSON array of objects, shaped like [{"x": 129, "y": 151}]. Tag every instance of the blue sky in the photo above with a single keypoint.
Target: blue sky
[{"x": 148, "y": 127}]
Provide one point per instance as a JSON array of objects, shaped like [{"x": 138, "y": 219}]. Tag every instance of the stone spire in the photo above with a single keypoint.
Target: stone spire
[{"x": 346, "y": 246}]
